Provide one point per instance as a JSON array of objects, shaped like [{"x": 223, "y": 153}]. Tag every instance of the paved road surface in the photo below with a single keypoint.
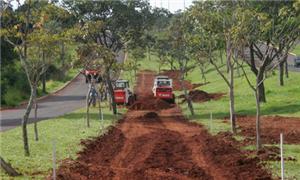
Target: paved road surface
[{"x": 65, "y": 101}]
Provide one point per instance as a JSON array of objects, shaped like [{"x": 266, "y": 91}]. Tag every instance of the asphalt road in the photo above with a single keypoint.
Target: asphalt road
[{"x": 67, "y": 100}]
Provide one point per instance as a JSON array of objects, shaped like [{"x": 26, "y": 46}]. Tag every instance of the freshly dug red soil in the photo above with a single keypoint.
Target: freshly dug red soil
[
  {"x": 170, "y": 148},
  {"x": 202, "y": 96},
  {"x": 150, "y": 104},
  {"x": 271, "y": 126},
  {"x": 150, "y": 115}
]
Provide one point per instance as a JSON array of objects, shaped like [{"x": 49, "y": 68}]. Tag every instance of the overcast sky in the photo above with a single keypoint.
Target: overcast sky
[{"x": 172, "y": 5}]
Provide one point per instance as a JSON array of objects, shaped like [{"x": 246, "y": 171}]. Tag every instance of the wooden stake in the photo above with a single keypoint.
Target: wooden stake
[
  {"x": 211, "y": 121},
  {"x": 54, "y": 159},
  {"x": 281, "y": 155}
]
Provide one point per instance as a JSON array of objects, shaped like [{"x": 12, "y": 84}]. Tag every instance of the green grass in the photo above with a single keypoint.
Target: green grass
[
  {"x": 296, "y": 50},
  {"x": 54, "y": 85},
  {"x": 280, "y": 101},
  {"x": 292, "y": 168},
  {"x": 67, "y": 131}
]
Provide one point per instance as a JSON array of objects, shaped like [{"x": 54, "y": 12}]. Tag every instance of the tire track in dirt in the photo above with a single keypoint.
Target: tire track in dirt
[{"x": 159, "y": 144}]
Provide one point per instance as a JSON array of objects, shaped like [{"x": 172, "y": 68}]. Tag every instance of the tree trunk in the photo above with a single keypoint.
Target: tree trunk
[
  {"x": 261, "y": 89},
  {"x": 111, "y": 93},
  {"x": 44, "y": 77},
  {"x": 281, "y": 72},
  {"x": 231, "y": 102},
  {"x": 202, "y": 73},
  {"x": 62, "y": 59},
  {"x": 25, "y": 119},
  {"x": 44, "y": 83},
  {"x": 8, "y": 169},
  {"x": 230, "y": 70},
  {"x": 286, "y": 69},
  {"x": 88, "y": 107},
  {"x": 258, "y": 141},
  {"x": 187, "y": 97},
  {"x": 149, "y": 58},
  {"x": 36, "y": 135},
  {"x": 221, "y": 57}
]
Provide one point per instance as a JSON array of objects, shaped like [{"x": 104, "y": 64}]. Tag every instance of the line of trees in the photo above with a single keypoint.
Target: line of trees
[
  {"x": 250, "y": 33},
  {"x": 37, "y": 32}
]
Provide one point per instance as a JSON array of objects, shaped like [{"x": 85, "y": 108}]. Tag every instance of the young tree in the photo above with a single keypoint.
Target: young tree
[
  {"x": 115, "y": 25},
  {"x": 269, "y": 41},
  {"x": 179, "y": 52},
  {"x": 215, "y": 22},
  {"x": 278, "y": 33},
  {"x": 26, "y": 35}
]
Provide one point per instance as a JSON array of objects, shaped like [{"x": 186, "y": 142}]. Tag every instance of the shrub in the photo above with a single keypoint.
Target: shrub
[{"x": 13, "y": 96}]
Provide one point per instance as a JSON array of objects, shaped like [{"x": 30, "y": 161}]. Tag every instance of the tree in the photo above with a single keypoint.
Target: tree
[
  {"x": 26, "y": 35},
  {"x": 269, "y": 41},
  {"x": 214, "y": 29},
  {"x": 115, "y": 25},
  {"x": 179, "y": 52},
  {"x": 279, "y": 32}
]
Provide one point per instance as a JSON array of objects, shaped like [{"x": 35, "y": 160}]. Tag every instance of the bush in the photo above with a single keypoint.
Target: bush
[{"x": 13, "y": 96}]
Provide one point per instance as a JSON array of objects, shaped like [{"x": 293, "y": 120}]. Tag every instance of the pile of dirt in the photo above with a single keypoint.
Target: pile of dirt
[
  {"x": 195, "y": 85},
  {"x": 226, "y": 154},
  {"x": 202, "y": 96},
  {"x": 271, "y": 127},
  {"x": 109, "y": 145},
  {"x": 150, "y": 104},
  {"x": 150, "y": 115},
  {"x": 171, "y": 156}
]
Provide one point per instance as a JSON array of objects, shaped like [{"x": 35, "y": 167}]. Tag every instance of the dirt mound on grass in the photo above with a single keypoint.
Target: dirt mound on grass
[
  {"x": 150, "y": 115},
  {"x": 202, "y": 96},
  {"x": 271, "y": 127},
  {"x": 150, "y": 104}
]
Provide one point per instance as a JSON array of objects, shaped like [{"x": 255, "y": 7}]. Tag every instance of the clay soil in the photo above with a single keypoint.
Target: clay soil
[
  {"x": 202, "y": 96},
  {"x": 271, "y": 127},
  {"x": 159, "y": 144}
]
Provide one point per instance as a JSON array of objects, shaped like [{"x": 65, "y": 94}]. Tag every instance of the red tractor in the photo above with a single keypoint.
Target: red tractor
[
  {"x": 163, "y": 89},
  {"x": 122, "y": 93},
  {"x": 89, "y": 73}
]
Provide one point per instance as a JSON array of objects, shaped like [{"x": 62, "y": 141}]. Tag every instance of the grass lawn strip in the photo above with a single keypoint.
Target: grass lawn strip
[{"x": 67, "y": 131}]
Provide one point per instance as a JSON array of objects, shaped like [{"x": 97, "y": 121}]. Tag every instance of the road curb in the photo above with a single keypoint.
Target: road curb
[{"x": 22, "y": 104}]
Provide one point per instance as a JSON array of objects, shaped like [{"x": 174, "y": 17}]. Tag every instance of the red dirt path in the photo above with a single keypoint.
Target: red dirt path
[{"x": 159, "y": 144}]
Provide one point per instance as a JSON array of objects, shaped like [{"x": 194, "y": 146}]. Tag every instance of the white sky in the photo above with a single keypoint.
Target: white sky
[{"x": 172, "y": 5}]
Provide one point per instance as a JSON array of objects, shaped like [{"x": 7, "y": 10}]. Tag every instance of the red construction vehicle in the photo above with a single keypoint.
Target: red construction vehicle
[
  {"x": 89, "y": 73},
  {"x": 162, "y": 89},
  {"x": 122, "y": 93}
]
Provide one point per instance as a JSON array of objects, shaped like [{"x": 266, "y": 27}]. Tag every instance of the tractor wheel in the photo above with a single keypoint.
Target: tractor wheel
[
  {"x": 172, "y": 101},
  {"x": 130, "y": 100}
]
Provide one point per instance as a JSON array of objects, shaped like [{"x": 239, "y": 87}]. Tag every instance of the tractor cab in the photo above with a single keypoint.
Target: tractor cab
[
  {"x": 91, "y": 73},
  {"x": 162, "y": 88},
  {"x": 122, "y": 84},
  {"x": 122, "y": 93}
]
